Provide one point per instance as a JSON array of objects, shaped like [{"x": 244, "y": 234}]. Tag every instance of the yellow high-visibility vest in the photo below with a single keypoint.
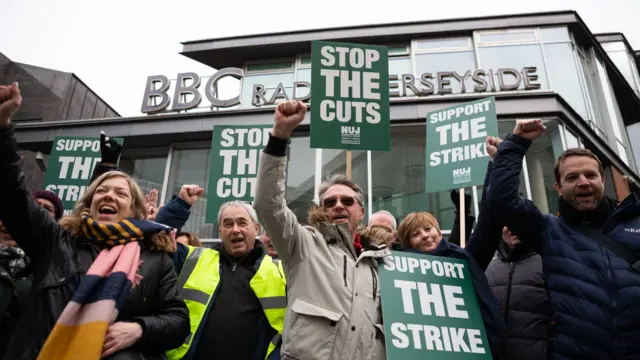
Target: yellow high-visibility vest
[{"x": 199, "y": 278}]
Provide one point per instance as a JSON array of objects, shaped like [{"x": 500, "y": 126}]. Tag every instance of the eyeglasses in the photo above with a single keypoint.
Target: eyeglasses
[{"x": 347, "y": 201}]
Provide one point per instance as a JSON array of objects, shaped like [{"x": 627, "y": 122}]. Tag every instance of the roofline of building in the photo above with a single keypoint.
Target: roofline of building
[
  {"x": 232, "y": 51},
  {"x": 614, "y": 36},
  {"x": 374, "y": 26},
  {"x": 77, "y": 79}
]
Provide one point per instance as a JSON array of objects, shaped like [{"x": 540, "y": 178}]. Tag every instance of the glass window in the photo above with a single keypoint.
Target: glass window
[
  {"x": 609, "y": 99},
  {"x": 444, "y": 44},
  {"x": 622, "y": 62},
  {"x": 634, "y": 139},
  {"x": 148, "y": 171},
  {"x": 398, "y": 50},
  {"x": 305, "y": 60},
  {"x": 460, "y": 62},
  {"x": 571, "y": 139},
  {"x": 540, "y": 159},
  {"x": 300, "y": 177},
  {"x": 304, "y": 75},
  {"x": 267, "y": 66},
  {"x": 192, "y": 167},
  {"x": 590, "y": 77},
  {"x": 516, "y": 57},
  {"x": 554, "y": 34},
  {"x": 613, "y": 46},
  {"x": 399, "y": 66},
  {"x": 270, "y": 82},
  {"x": 564, "y": 77},
  {"x": 622, "y": 152},
  {"x": 508, "y": 36}
]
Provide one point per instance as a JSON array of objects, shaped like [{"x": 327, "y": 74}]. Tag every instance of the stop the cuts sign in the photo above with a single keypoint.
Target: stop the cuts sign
[
  {"x": 349, "y": 96},
  {"x": 235, "y": 152}
]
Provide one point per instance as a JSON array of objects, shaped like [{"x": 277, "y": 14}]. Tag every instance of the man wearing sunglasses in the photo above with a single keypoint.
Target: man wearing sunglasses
[{"x": 333, "y": 295}]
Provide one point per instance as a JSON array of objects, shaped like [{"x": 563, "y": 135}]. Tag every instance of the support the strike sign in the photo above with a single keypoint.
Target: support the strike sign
[
  {"x": 430, "y": 309},
  {"x": 349, "y": 97},
  {"x": 456, "y": 152},
  {"x": 235, "y": 153},
  {"x": 70, "y": 167}
]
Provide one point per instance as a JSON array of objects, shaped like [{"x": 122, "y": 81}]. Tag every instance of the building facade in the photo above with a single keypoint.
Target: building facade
[
  {"x": 47, "y": 96},
  {"x": 547, "y": 66}
]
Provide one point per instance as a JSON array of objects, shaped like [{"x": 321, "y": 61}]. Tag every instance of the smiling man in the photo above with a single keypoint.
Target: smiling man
[
  {"x": 333, "y": 309},
  {"x": 587, "y": 251},
  {"x": 235, "y": 292}
]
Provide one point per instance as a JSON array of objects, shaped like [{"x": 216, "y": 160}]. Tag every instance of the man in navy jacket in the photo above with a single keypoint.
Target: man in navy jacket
[{"x": 595, "y": 294}]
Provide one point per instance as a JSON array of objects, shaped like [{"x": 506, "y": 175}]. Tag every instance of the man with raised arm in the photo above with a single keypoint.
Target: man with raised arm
[
  {"x": 333, "y": 309},
  {"x": 588, "y": 251}
]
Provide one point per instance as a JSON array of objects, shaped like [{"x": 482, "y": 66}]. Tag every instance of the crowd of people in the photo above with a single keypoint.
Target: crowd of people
[{"x": 117, "y": 279}]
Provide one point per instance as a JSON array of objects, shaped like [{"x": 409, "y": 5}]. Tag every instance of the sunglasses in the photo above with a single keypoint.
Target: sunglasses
[{"x": 347, "y": 201}]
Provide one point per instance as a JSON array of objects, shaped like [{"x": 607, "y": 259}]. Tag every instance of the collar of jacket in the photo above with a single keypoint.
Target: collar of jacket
[
  {"x": 440, "y": 250},
  {"x": 339, "y": 234},
  {"x": 249, "y": 259},
  {"x": 518, "y": 253},
  {"x": 597, "y": 216}
]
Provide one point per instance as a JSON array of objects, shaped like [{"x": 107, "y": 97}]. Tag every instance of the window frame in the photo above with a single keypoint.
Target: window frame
[
  {"x": 248, "y": 72},
  {"x": 417, "y": 51},
  {"x": 477, "y": 37}
]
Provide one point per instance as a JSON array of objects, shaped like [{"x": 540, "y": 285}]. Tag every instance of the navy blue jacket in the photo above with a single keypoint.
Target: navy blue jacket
[
  {"x": 594, "y": 294},
  {"x": 175, "y": 214},
  {"x": 494, "y": 324}
]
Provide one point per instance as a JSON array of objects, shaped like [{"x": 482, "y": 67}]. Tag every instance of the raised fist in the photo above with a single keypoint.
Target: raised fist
[
  {"x": 289, "y": 114},
  {"x": 191, "y": 193},
  {"x": 529, "y": 129},
  {"x": 109, "y": 148},
  {"x": 10, "y": 101},
  {"x": 492, "y": 144}
]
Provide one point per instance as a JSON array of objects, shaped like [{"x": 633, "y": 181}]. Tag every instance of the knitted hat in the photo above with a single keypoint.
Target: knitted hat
[{"x": 55, "y": 200}]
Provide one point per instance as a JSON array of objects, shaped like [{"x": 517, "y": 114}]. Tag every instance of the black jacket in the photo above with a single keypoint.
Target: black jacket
[
  {"x": 60, "y": 260},
  {"x": 517, "y": 282}
]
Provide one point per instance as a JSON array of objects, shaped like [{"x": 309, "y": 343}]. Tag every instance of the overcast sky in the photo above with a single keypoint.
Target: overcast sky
[{"x": 114, "y": 45}]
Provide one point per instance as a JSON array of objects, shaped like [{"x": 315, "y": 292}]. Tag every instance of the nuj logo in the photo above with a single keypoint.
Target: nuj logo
[
  {"x": 462, "y": 172},
  {"x": 350, "y": 130}
]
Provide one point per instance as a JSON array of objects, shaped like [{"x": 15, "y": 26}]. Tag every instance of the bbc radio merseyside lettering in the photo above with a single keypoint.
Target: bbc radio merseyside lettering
[
  {"x": 430, "y": 309},
  {"x": 70, "y": 167},
  {"x": 350, "y": 101},
  {"x": 235, "y": 153},
  {"x": 456, "y": 151}
]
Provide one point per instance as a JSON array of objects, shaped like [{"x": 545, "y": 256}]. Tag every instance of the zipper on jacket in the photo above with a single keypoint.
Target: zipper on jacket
[
  {"x": 344, "y": 270},
  {"x": 234, "y": 267},
  {"x": 614, "y": 304},
  {"x": 375, "y": 283},
  {"x": 506, "y": 307}
]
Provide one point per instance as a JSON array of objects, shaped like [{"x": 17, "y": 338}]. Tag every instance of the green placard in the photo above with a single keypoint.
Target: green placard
[
  {"x": 235, "y": 153},
  {"x": 430, "y": 310},
  {"x": 456, "y": 153},
  {"x": 70, "y": 167},
  {"x": 349, "y": 96}
]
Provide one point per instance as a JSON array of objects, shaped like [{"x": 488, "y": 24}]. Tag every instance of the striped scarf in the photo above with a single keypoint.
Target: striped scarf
[{"x": 81, "y": 328}]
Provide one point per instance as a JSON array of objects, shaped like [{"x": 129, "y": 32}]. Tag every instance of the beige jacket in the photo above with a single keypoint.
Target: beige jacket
[{"x": 333, "y": 309}]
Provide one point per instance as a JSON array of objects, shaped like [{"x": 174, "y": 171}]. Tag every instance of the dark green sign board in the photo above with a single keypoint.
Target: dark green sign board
[
  {"x": 430, "y": 310},
  {"x": 70, "y": 167},
  {"x": 235, "y": 153},
  {"x": 456, "y": 152},
  {"x": 349, "y": 96}
]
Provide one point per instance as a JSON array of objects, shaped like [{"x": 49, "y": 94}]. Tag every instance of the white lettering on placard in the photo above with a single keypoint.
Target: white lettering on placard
[
  {"x": 78, "y": 145},
  {"x": 466, "y": 110},
  {"x": 438, "y": 338},
  {"x": 67, "y": 192},
  {"x": 360, "y": 86},
  {"x": 81, "y": 167},
  {"x": 425, "y": 266}
]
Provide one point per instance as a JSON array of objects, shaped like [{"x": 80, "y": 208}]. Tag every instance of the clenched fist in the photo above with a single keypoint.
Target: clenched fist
[
  {"x": 492, "y": 144},
  {"x": 191, "y": 193},
  {"x": 10, "y": 101},
  {"x": 289, "y": 114},
  {"x": 529, "y": 129}
]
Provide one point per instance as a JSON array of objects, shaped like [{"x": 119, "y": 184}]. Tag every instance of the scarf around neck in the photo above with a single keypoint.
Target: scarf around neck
[
  {"x": 595, "y": 217},
  {"x": 81, "y": 328}
]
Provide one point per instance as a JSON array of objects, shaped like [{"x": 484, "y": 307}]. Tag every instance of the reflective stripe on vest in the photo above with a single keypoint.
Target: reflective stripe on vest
[{"x": 199, "y": 278}]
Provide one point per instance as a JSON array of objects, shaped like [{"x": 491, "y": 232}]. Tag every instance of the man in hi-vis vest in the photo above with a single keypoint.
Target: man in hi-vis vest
[{"x": 235, "y": 292}]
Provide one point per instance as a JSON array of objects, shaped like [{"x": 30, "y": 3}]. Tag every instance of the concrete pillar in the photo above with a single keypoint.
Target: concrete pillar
[{"x": 536, "y": 179}]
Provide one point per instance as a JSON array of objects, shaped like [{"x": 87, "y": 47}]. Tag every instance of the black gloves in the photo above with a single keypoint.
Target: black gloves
[
  {"x": 109, "y": 148},
  {"x": 468, "y": 201}
]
